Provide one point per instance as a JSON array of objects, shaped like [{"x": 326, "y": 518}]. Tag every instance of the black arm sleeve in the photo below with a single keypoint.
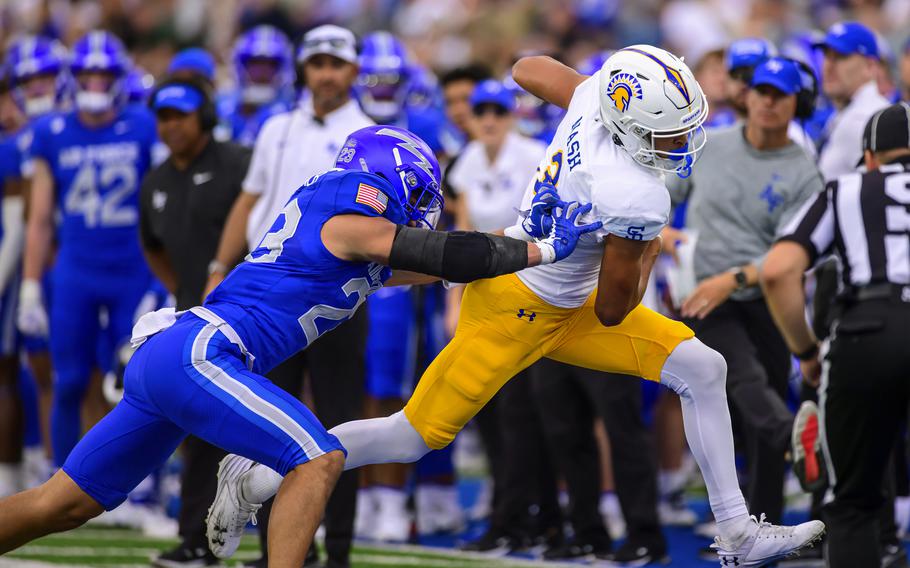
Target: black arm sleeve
[{"x": 459, "y": 256}]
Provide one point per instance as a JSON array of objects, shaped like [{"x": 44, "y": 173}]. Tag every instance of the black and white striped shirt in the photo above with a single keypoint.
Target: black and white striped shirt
[{"x": 865, "y": 220}]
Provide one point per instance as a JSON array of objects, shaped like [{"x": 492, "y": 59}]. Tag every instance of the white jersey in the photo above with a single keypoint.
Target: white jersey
[
  {"x": 493, "y": 191},
  {"x": 587, "y": 166}
]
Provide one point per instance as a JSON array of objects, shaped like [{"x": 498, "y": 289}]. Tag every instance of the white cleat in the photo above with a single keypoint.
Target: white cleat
[
  {"x": 768, "y": 543},
  {"x": 230, "y": 512},
  {"x": 438, "y": 510}
]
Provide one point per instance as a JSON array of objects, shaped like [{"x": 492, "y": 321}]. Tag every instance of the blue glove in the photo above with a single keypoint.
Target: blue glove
[
  {"x": 565, "y": 233},
  {"x": 539, "y": 221}
]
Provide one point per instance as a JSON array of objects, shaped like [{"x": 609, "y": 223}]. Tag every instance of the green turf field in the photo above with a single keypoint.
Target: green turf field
[{"x": 106, "y": 547}]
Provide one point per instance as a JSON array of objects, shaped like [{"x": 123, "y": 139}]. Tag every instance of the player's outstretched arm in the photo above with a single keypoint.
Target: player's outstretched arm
[
  {"x": 624, "y": 272},
  {"x": 548, "y": 79},
  {"x": 458, "y": 256}
]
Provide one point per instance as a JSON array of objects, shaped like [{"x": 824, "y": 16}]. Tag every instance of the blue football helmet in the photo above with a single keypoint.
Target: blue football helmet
[
  {"x": 405, "y": 161},
  {"x": 384, "y": 80},
  {"x": 264, "y": 64},
  {"x": 534, "y": 118},
  {"x": 592, "y": 64},
  {"x": 100, "y": 51},
  {"x": 423, "y": 89},
  {"x": 32, "y": 56},
  {"x": 743, "y": 55},
  {"x": 139, "y": 85}
]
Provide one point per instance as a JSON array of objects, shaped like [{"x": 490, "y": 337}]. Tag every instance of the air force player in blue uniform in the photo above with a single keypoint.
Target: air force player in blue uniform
[
  {"x": 336, "y": 242},
  {"x": 88, "y": 164}
]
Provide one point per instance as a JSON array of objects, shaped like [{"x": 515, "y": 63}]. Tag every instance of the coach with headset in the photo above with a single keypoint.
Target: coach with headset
[
  {"x": 184, "y": 204},
  {"x": 751, "y": 179}
]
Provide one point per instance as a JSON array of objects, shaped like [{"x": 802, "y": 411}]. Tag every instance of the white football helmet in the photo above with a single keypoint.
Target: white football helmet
[{"x": 647, "y": 93}]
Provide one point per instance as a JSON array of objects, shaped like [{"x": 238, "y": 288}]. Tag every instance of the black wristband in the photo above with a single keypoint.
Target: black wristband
[{"x": 810, "y": 353}]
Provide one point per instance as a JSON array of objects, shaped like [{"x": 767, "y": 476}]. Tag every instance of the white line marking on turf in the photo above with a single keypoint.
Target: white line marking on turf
[{"x": 459, "y": 555}]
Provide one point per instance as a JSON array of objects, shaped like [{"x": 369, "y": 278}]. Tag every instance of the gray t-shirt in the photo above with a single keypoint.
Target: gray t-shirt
[{"x": 740, "y": 198}]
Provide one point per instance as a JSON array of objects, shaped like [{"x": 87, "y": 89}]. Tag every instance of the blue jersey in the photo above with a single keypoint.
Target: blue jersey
[
  {"x": 244, "y": 129},
  {"x": 10, "y": 164},
  {"x": 291, "y": 289},
  {"x": 97, "y": 172}
]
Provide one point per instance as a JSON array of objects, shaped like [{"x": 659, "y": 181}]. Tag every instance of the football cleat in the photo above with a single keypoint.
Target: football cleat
[
  {"x": 768, "y": 543},
  {"x": 230, "y": 512},
  {"x": 808, "y": 459}
]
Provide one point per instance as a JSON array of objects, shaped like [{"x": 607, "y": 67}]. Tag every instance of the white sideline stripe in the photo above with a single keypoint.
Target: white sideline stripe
[{"x": 245, "y": 396}]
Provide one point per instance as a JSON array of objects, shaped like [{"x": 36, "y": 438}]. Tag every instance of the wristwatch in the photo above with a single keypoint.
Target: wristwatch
[{"x": 739, "y": 275}]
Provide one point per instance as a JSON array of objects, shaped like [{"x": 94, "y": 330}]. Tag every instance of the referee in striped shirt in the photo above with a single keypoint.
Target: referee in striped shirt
[{"x": 863, "y": 218}]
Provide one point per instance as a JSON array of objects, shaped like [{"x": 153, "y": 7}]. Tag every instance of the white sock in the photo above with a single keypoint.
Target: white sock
[
  {"x": 259, "y": 484},
  {"x": 698, "y": 375},
  {"x": 380, "y": 440},
  {"x": 10, "y": 478},
  {"x": 733, "y": 530},
  {"x": 390, "y": 499}
]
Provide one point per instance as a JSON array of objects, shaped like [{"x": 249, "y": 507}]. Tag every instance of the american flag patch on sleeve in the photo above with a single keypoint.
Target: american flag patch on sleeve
[{"x": 371, "y": 197}]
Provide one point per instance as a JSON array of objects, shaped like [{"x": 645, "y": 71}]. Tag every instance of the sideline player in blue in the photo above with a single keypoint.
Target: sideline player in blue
[
  {"x": 337, "y": 241},
  {"x": 87, "y": 165},
  {"x": 263, "y": 60},
  {"x": 39, "y": 84}
]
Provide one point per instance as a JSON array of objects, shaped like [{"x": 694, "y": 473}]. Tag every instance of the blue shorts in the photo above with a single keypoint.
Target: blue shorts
[
  {"x": 192, "y": 379},
  {"x": 391, "y": 343}
]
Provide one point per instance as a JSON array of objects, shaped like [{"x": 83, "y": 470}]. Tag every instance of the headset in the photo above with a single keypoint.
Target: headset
[
  {"x": 808, "y": 90},
  {"x": 208, "y": 116}
]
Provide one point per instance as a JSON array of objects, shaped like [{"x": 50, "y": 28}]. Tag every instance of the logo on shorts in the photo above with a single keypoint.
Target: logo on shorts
[{"x": 530, "y": 315}]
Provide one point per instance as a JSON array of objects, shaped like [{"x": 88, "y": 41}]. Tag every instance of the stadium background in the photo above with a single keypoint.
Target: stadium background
[{"x": 440, "y": 35}]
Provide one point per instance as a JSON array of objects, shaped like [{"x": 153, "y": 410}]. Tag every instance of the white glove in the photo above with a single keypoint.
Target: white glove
[{"x": 31, "y": 318}]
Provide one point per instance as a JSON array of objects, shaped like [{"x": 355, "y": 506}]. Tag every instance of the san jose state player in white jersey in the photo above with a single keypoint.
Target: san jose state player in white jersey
[
  {"x": 88, "y": 164},
  {"x": 337, "y": 241},
  {"x": 636, "y": 119}
]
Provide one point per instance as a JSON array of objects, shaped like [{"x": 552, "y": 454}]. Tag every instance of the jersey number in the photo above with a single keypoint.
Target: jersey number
[
  {"x": 897, "y": 221},
  {"x": 551, "y": 174},
  {"x": 274, "y": 242},
  {"x": 358, "y": 286},
  {"x": 107, "y": 210}
]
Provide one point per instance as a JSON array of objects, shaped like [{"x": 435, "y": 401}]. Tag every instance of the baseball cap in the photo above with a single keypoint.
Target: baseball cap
[
  {"x": 780, "y": 73},
  {"x": 330, "y": 40},
  {"x": 492, "y": 91},
  {"x": 184, "y": 98},
  {"x": 749, "y": 52},
  {"x": 848, "y": 38},
  {"x": 193, "y": 59},
  {"x": 888, "y": 129}
]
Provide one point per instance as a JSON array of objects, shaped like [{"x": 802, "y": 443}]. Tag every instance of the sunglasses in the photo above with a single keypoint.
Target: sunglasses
[
  {"x": 496, "y": 109},
  {"x": 743, "y": 74},
  {"x": 336, "y": 43}
]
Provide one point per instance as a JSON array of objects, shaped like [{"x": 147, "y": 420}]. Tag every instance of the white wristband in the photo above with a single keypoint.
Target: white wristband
[
  {"x": 547, "y": 253},
  {"x": 30, "y": 292},
  {"x": 517, "y": 232}
]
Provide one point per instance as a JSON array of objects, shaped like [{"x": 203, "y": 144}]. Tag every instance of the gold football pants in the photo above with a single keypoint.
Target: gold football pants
[{"x": 504, "y": 327}]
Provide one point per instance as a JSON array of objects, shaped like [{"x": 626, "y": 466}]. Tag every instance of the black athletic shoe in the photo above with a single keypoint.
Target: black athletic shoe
[
  {"x": 185, "y": 557},
  {"x": 577, "y": 550},
  {"x": 894, "y": 556},
  {"x": 311, "y": 560},
  {"x": 493, "y": 542},
  {"x": 632, "y": 554}
]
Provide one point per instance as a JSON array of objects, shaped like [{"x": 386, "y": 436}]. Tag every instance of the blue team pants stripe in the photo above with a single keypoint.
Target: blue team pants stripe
[{"x": 240, "y": 392}]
